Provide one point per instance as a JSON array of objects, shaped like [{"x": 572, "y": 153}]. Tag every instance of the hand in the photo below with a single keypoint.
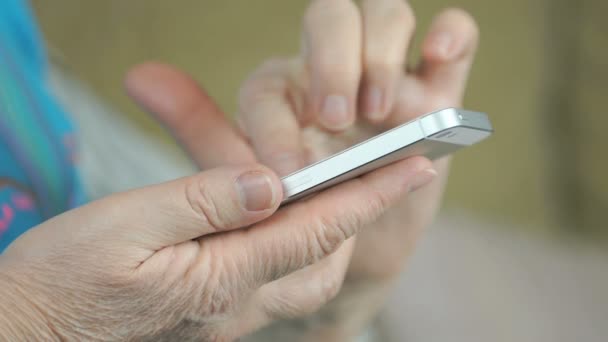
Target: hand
[
  {"x": 348, "y": 84},
  {"x": 174, "y": 261},
  {"x": 196, "y": 258}
]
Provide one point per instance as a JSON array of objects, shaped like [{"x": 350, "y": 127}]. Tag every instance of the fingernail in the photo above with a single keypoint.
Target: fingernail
[
  {"x": 374, "y": 100},
  {"x": 421, "y": 179},
  {"x": 443, "y": 45},
  {"x": 255, "y": 191},
  {"x": 334, "y": 113}
]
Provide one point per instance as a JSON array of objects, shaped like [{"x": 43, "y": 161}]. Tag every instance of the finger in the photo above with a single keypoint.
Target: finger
[
  {"x": 308, "y": 231},
  {"x": 213, "y": 201},
  {"x": 448, "y": 52},
  {"x": 189, "y": 113},
  {"x": 388, "y": 26},
  {"x": 332, "y": 40},
  {"x": 314, "y": 286},
  {"x": 268, "y": 118},
  {"x": 299, "y": 294},
  {"x": 412, "y": 100}
]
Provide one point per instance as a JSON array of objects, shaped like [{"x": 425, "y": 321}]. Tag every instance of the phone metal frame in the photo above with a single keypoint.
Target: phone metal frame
[{"x": 433, "y": 135}]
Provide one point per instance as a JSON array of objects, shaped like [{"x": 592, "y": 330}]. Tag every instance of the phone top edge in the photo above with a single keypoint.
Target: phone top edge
[
  {"x": 452, "y": 126},
  {"x": 432, "y": 123},
  {"x": 439, "y": 121},
  {"x": 457, "y": 126}
]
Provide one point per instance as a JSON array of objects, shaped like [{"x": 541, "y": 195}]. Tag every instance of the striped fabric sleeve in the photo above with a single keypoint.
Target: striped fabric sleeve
[
  {"x": 37, "y": 141},
  {"x": 17, "y": 209}
]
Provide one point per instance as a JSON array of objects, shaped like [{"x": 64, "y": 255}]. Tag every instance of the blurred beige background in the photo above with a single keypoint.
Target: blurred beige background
[{"x": 541, "y": 74}]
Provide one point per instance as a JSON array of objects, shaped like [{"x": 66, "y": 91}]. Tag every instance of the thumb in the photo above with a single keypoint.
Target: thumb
[
  {"x": 161, "y": 215},
  {"x": 213, "y": 201}
]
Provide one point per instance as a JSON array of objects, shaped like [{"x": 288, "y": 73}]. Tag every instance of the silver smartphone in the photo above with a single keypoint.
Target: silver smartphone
[{"x": 433, "y": 135}]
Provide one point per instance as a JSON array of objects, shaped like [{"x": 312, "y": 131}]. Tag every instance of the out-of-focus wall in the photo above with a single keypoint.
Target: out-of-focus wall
[{"x": 517, "y": 79}]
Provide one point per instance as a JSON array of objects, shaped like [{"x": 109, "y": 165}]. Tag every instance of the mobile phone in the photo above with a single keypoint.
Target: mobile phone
[{"x": 432, "y": 135}]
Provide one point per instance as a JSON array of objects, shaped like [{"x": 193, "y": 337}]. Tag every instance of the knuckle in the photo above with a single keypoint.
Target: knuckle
[
  {"x": 204, "y": 205},
  {"x": 261, "y": 88},
  {"x": 328, "y": 235},
  {"x": 380, "y": 68},
  {"x": 378, "y": 62},
  {"x": 336, "y": 68},
  {"x": 378, "y": 202}
]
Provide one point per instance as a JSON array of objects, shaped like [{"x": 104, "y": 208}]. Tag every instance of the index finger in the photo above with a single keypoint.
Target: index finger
[{"x": 186, "y": 109}]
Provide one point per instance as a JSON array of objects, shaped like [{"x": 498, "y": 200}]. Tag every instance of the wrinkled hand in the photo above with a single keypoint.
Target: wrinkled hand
[{"x": 190, "y": 259}]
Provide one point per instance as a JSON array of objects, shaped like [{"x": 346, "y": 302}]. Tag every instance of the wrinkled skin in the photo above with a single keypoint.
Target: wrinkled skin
[{"x": 182, "y": 260}]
